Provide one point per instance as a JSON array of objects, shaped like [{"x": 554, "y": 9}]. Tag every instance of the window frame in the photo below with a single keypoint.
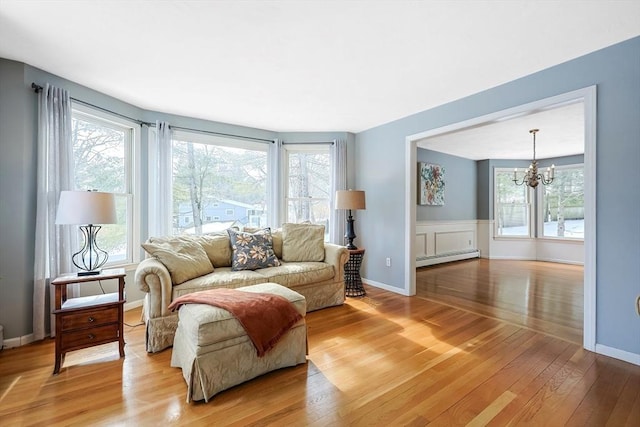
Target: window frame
[
  {"x": 132, "y": 175},
  {"x": 530, "y": 211},
  {"x": 309, "y": 148},
  {"x": 197, "y": 137},
  {"x": 540, "y": 207}
]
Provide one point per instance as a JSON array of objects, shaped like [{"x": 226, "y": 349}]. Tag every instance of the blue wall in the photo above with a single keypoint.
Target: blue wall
[
  {"x": 616, "y": 72},
  {"x": 460, "y": 188}
]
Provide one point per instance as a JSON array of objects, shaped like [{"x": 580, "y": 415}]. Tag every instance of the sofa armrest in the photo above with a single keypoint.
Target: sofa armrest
[
  {"x": 337, "y": 256},
  {"x": 153, "y": 278}
]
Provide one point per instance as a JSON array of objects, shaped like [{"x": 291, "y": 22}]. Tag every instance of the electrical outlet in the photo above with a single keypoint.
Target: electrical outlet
[{"x": 388, "y": 262}]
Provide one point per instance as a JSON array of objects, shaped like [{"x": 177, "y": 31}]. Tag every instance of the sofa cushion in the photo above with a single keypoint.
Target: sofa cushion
[
  {"x": 223, "y": 277},
  {"x": 277, "y": 242},
  {"x": 292, "y": 274},
  {"x": 183, "y": 258},
  {"x": 218, "y": 248},
  {"x": 252, "y": 251},
  {"x": 302, "y": 242}
]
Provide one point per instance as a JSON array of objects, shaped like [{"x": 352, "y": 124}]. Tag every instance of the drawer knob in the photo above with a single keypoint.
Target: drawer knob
[
  {"x": 91, "y": 319},
  {"x": 91, "y": 336}
]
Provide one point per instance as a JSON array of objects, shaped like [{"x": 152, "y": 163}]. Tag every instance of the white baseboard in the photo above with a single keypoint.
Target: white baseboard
[
  {"x": 524, "y": 258},
  {"x": 386, "y": 287},
  {"x": 561, "y": 261},
  {"x": 18, "y": 341},
  {"x": 439, "y": 259},
  {"x": 618, "y": 354}
]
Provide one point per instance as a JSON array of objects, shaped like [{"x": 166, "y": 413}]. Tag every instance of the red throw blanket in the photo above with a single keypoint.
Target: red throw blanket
[{"x": 265, "y": 317}]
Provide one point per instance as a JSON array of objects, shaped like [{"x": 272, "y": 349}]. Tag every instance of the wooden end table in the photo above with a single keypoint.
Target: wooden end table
[
  {"x": 88, "y": 321},
  {"x": 352, "y": 279}
]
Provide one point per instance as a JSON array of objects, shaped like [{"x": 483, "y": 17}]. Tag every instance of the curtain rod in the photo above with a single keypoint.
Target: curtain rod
[
  {"x": 210, "y": 132},
  {"x": 37, "y": 88},
  {"x": 310, "y": 143}
]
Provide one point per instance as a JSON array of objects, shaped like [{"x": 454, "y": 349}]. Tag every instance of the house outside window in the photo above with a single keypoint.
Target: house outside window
[
  {"x": 217, "y": 177},
  {"x": 104, "y": 153},
  {"x": 307, "y": 181}
]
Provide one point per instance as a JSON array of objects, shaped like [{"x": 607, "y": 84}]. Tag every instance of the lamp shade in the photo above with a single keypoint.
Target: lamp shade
[
  {"x": 350, "y": 199},
  {"x": 86, "y": 207}
]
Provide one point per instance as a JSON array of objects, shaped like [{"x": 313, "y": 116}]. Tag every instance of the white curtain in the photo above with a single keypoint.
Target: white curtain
[
  {"x": 275, "y": 195},
  {"x": 337, "y": 221},
  {"x": 160, "y": 168},
  {"x": 54, "y": 244}
]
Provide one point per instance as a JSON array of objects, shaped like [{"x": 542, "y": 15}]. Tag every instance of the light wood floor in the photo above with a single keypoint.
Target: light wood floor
[
  {"x": 544, "y": 296},
  {"x": 380, "y": 360}
]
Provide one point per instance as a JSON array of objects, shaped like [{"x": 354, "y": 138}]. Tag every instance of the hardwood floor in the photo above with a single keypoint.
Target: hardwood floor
[
  {"x": 544, "y": 296},
  {"x": 383, "y": 359}
]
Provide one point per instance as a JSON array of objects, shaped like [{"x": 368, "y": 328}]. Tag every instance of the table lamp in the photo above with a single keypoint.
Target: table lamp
[
  {"x": 87, "y": 208},
  {"x": 351, "y": 200}
]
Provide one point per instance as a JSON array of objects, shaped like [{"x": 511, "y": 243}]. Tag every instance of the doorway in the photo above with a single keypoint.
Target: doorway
[{"x": 588, "y": 98}]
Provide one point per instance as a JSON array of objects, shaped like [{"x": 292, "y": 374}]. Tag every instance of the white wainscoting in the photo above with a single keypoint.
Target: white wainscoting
[
  {"x": 444, "y": 241},
  {"x": 552, "y": 250}
]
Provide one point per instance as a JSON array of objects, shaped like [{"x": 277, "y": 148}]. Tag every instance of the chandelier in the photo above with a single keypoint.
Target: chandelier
[{"x": 532, "y": 177}]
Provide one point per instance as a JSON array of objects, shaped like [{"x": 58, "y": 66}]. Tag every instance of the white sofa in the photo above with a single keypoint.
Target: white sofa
[{"x": 167, "y": 275}]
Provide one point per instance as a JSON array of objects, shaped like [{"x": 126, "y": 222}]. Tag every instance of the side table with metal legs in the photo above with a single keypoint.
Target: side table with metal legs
[{"x": 352, "y": 279}]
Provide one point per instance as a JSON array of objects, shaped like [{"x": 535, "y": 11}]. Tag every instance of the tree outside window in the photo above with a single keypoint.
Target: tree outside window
[
  {"x": 102, "y": 153},
  {"x": 563, "y": 204},
  {"x": 512, "y": 210},
  {"x": 308, "y": 185},
  {"x": 213, "y": 180}
]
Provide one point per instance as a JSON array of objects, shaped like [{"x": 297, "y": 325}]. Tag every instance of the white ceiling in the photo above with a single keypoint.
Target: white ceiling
[
  {"x": 561, "y": 133},
  {"x": 304, "y": 65}
]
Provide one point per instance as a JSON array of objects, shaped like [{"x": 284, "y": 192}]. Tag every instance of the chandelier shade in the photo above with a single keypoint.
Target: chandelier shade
[{"x": 532, "y": 177}]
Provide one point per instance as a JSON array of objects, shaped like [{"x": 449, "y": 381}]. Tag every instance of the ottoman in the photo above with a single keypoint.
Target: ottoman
[{"x": 215, "y": 353}]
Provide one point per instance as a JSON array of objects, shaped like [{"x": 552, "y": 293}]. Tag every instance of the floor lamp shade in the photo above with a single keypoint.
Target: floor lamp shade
[
  {"x": 87, "y": 208},
  {"x": 351, "y": 200}
]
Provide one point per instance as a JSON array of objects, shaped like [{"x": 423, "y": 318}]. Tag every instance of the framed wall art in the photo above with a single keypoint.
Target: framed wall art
[{"x": 430, "y": 184}]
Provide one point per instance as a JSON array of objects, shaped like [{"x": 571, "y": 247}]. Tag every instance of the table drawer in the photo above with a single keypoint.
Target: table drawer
[
  {"x": 88, "y": 318},
  {"x": 90, "y": 336}
]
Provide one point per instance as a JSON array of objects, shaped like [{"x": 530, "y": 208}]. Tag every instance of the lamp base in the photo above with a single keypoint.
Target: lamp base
[
  {"x": 88, "y": 273},
  {"x": 350, "y": 234}
]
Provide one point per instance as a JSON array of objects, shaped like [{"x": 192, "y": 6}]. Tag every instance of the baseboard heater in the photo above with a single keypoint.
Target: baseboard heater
[{"x": 423, "y": 261}]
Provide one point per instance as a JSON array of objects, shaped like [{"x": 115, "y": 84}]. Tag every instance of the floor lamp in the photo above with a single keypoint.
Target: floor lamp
[
  {"x": 350, "y": 200},
  {"x": 87, "y": 208}
]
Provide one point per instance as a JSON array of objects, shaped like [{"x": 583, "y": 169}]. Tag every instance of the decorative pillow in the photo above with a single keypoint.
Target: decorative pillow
[
  {"x": 252, "y": 251},
  {"x": 302, "y": 242},
  {"x": 184, "y": 259}
]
